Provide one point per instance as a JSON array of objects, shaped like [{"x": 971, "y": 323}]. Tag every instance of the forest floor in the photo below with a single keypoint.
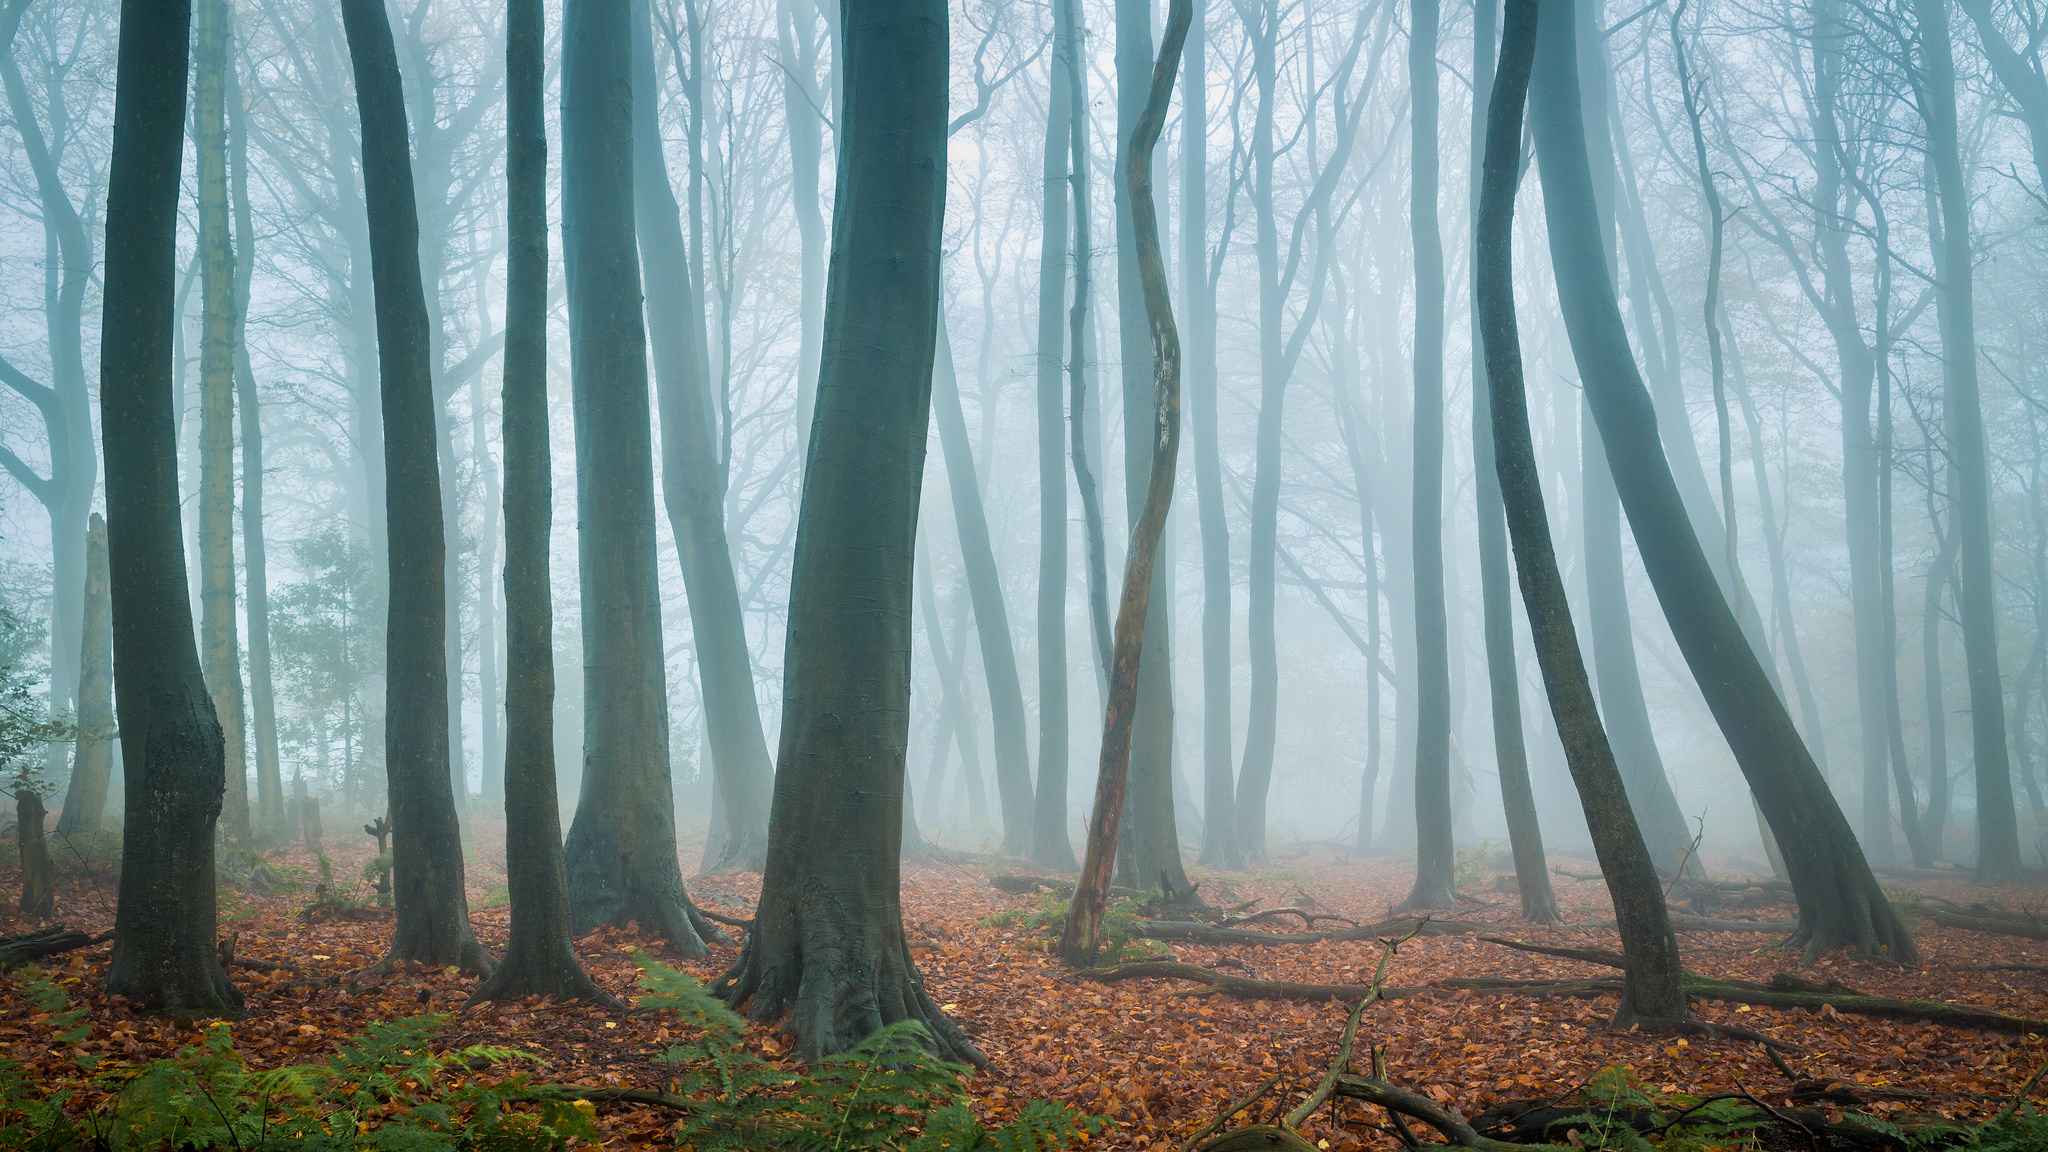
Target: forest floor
[{"x": 1155, "y": 1059}]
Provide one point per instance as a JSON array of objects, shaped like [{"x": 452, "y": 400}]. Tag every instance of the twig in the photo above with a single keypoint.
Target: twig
[
  {"x": 1224, "y": 1116},
  {"x": 2020, "y": 1097},
  {"x": 1307, "y": 1108}
]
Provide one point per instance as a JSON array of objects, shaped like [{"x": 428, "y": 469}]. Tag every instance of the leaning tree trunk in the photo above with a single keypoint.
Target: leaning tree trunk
[
  {"x": 426, "y": 844},
  {"x": 165, "y": 917},
  {"x": 1998, "y": 839},
  {"x": 1433, "y": 850},
  {"x": 991, "y": 615},
  {"x": 1050, "y": 845},
  {"x": 539, "y": 957},
  {"x": 1503, "y": 674},
  {"x": 1653, "y": 991},
  {"x": 92, "y": 752},
  {"x": 828, "y": 953},
  {"x": 691, "y": 488},
  {"x": 1149, "y": 851},
  {"x": 222, "y": 652},
  {"x": 1840, "y": 902},
  {"x": 621, "y": 851},
  {"x": 1081, "y": 936}
]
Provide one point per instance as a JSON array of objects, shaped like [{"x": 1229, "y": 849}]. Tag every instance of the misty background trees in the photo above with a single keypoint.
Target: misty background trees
[{"x": 1800, "y": 526}]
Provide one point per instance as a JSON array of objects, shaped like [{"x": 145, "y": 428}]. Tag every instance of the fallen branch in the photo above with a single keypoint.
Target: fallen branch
[
  {"x": 1406, "y": 1103},
  {"x": 1979, "y": 918},
  {"x": 1240, "y": 987},
  {"x": 1601, "y": 956},
  {"x": 1307, "y": 917},
  {"x": 1784, "y": 992},
  {"x": 1224, "y": 1116},
  {"x": 52, "y": 941},
  {"x": 1189, "y": 932}
]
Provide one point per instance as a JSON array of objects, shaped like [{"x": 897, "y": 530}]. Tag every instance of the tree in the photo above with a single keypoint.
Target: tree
[
  {"x": 1840, "y": 903},
  {"x": 1998, "y": 841},
  {"x": 1503, "y": 674},
  {"x": 92, "y": 753},
  {"x": 539, "y": 957},
  {"x": 221, "y": 650},
  {"x": 828, "y": 944},
  {"x": 1049, "y": 843},
  {"x": 164, "y": 920},
  {"x": 1081, "y": 935},
  {"x": 1653, "y": 990},
  {"x": 621, "y": 852},
  {"x": 1433, "y": 849},
  {"x": 426, "y": 844},
  {"x": 691, "y": 486}
]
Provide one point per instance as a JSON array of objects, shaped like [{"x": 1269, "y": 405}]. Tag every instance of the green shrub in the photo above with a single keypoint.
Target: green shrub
[{"x": 1118, "y": 945}]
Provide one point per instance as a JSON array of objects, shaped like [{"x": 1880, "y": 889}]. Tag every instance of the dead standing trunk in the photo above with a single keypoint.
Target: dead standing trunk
[
  {"x": 1081, "y": 936},
  {"x": 165, "y": 918},
  {"x": 827, "y": 954},
  {"x": 426, "y": 843},
  {"x": 539, "y": 958},
  {"x": 1840, "y": 901},
  {"x": 1653, "y": 990},
  {"x": 92, "y": 752}
]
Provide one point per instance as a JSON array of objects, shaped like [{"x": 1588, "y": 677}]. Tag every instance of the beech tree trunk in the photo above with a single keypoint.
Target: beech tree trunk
[
  {"x": 827, "y": 954},
  {"x": 165, "y": 916},
  {"x": 1840, "y": 901},
  {"x": 539, "y": 957},
  {"x": 426, "y": 843},
  {"x": 1653, "y": 991},
  {"x": 691, "y": 487},
  {"x": 92, "y": 750}
]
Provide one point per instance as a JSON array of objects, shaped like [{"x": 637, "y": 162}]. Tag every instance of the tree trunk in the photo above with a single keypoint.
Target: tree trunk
[
  {"x": 1433, "y": 849},
  {"x": 1941, "y": 571},
  {"x": 803, "y": 105},
  {"x": 1081, "y": 936},
  {"x": 1998, "y": 842},
  {"x": 223, "y": 658},
  {"x": 255, "y": 562},
  {"x": 1082, "y": 408},
  {"x": 38, "y": 874},
  {"x": 991, "y": 615},
  {"x": 1653, "y": 989},
  {"x": 692, "y": 490},
  {"x": 426, "y": 843},
  {"x": 539, "y": 957},
  {"x": 1219, "y": 818},
  {"x": 621, "y": 851},
  {"x": 1840, "y": 901},
  {"x": 1050, "y": 845},
  {"x": 92, "y": 755},
  {"x": 1503, "y": 673},
  {"x": 828, "y": 952},
  {"x": 165, "y": 917}
]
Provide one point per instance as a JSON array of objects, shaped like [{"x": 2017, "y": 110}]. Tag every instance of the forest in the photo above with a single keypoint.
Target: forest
[{"x": 1324, "y": 575}]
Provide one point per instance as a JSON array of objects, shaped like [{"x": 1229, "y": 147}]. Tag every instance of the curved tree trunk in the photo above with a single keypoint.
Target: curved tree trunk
[
  {"x": 1433, "y": 850},
  {"x": 1840, "y": 901},
  {"x": 1653, "y": 989},
  {"x": 828, "y": 954},
  {"x": 691, "y": 488},
  {"x": 426, "y": 844},
  {"x": 539, "y": 957},
  {"x": 92, "y": 754},
  {"x": 165, "y": 918},
  {"x": 621, "y": 851},
  {"x": 1503, "y": 675}
]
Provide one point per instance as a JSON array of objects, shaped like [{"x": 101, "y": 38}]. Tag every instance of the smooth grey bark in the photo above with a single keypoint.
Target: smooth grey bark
[
  {"x": 1198, "y": 305},
  {"x": 1050, "y": 844},
  {"x": 956, "y": 715},
  {"x": 1503, "y": 673},
  {"x": 828, "y": 954},
  {"x": 803, "y": 104},
  {"x": 1653, "y": 990},
  {"x": 221, "y": 654},
  {"x": 1083, "y": 406},
  {"x": 1941, "y": 573},
  {"x": 540, "y": 959},
  {"x": 1434, "y": 856},
  {"x": 1840, "y": 901},
  {"x": 92, "y": 750},
  {"x": 164, "y": 919},
  {"x": 1998, "y": 842},
  {"x": 66, "y": 494},
  {"x": 692, "y": 488},
  {"x": 621, "y": 850},
  {"x": 991, "y": 614},
  {"x": 426, "y": 842},
  {"x": 1148, "y": 850}
]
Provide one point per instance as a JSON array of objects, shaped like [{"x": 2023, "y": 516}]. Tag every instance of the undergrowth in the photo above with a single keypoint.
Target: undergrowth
[
  {"x": 396, "y": 1088},
  {"x": 1119, "y": 946}
]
